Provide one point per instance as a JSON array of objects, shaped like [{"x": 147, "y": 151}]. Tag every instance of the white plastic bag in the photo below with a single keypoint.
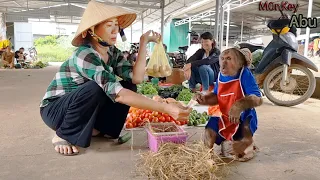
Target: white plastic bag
[{"x": 158, "y": 65}]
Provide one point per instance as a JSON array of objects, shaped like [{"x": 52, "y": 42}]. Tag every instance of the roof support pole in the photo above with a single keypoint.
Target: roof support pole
[
  {"x": 241, "y": 28},
  {"x": 189, "y": 34},
  {"x": 3, "y": 27},
  {"x": 131, "y": 33},
  {"x": 306, "y": 44},
  {"x": 221, "y": 26},
  {"x": 142, "y": 23},
  {"x": 162, "y": 18},
  {"x": 228, "y": 26},
  {"x": 216, "y": 21}
]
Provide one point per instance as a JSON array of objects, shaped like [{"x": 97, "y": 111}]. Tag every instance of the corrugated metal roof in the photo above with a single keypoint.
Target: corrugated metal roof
[{"x": 20, "y": 10}]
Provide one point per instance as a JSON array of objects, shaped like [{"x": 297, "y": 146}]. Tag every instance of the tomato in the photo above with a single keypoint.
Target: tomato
[
  {"x": 143, "y": 115},
  {"x": 147, "y": 115},
  {"x": 133, "y": 120},
  {"x": 167, "y": 118},
  {"x": 155, "y": 113},
  {"x": 150, "y": 116},
  {"x": 171, "y": 119},
  {"x": 129, "y": 125},
  {"x": 162, "y": 119},
  {"x": 132, "y": 109},
  {"x": 138, "y": 120},
  {"x": 129, "y": 118},
  {"x": 148, "y": 111},
  {"x": 133, "y": 115},
  {"x": 134, "y": 124},
  {"x": 178, "y": 123},
  {"x": 155, "y": 119}
]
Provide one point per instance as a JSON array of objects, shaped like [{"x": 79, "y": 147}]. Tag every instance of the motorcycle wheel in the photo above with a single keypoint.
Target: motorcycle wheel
[{"x": 291, "y": 87}]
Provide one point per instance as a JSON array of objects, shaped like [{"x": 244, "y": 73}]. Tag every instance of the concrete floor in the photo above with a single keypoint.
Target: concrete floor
[{"x": 288, "y": 139}]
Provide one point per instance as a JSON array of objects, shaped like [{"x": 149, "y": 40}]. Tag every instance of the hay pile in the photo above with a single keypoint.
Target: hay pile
[{"x": 175, "y": 161}]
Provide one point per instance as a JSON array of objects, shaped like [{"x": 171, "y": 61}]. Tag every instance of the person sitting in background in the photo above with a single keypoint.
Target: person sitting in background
[
  {"x": 237, "y": 94},
  {"x": 316, "y": 47},
  {"x": 4, "y": 43},
  {"x": 203, "y": 66},
  {"x": 8, "y": 58},
  {"x": 19, "y": 55}
]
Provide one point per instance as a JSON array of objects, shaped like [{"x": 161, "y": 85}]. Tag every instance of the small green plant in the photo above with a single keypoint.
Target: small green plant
[
  {"x": 49, "y": 53},
  {"x": 54, "y": 48},
  {"x": 38, "y": 64},
  {"x": 48, "y": 40}
]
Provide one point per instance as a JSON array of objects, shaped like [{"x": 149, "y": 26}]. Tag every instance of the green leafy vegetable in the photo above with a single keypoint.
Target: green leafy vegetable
[
  {"x": 185, "y": 95},
  {"x": 146, "y": 88}
]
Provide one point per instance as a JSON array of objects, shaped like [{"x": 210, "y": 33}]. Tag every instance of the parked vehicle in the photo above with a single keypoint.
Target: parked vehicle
[
  {"x": 179, "y": 59},
  {"x": 133, "y": 52},
  {"x": 33, "y": 53},
  {"x": 280, "y": 63}
]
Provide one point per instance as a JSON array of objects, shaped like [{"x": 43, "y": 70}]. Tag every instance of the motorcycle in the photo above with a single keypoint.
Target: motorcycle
[
  {"x": 179, "y": 59},
  {"x": 277, "y": 70},
  {"x": 33, "y": 53},
  {"x": 133, "y": 52}
]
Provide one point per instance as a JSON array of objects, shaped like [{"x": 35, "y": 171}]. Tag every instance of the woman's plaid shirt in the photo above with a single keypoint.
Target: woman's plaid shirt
[{"x": 86, "y": 64}]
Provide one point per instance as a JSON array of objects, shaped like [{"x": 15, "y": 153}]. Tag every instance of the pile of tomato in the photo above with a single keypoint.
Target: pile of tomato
[{"x": 139, "y": 117}]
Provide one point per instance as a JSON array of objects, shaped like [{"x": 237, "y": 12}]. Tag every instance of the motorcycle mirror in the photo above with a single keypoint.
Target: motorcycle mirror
[
  {"x": 283, "y": 16},
  {"x": 281, "y": 12}
]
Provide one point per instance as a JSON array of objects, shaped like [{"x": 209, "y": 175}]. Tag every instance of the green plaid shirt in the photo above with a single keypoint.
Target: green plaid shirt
[{"x": 86, "y": 64}]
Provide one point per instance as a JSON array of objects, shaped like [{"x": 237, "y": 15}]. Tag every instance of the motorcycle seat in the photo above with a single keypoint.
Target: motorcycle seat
[
  {"x": 278, "y": 24},
  {"x": 184, "y": 48},
  {"x": 251, "y": 46}
]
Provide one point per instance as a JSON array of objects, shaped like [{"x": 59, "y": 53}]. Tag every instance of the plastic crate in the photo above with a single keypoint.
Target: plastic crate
[{"x": 155, "y": 139}]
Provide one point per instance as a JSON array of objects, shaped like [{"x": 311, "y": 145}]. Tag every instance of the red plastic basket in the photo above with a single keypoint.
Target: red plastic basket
[{"x": 155, "y": 139}]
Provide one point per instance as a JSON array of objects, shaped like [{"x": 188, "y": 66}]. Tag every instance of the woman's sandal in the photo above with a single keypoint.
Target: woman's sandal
[{"x": 65, "y": 143}]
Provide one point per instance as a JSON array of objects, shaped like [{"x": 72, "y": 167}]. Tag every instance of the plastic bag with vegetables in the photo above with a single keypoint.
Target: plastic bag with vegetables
[
  {"x": 158, "y": 65},
  {"x": 257, "y": 56}
]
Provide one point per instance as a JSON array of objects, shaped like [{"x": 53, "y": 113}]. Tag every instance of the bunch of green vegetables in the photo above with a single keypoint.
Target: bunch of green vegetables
[
  {"x": 185, "y": 95},
  {"x": 170, "y": 92},
  {"x": 196, "y": 118},
  {"x": 147, "y": 89}
]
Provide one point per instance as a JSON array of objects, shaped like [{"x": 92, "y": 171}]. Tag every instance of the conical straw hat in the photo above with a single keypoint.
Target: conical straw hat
[{"x": 96, "y": 13}]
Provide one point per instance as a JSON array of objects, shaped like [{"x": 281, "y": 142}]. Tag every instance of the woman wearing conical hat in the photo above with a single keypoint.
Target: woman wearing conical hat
[{"x": 93, "y": 90}]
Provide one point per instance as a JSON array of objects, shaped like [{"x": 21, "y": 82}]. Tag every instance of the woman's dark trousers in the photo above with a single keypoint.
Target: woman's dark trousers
[{"x": 74, "y": 115}]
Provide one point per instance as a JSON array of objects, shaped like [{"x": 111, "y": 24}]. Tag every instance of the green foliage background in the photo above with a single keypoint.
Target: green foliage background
[
  {"x": 59, "y": 49},
  {"x": 54, "y": 48}
]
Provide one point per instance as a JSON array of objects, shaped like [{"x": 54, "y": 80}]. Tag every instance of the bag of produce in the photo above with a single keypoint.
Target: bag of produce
[
  {"x": 158, "y": 65},
  {"x": 257, "y": 56}
]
